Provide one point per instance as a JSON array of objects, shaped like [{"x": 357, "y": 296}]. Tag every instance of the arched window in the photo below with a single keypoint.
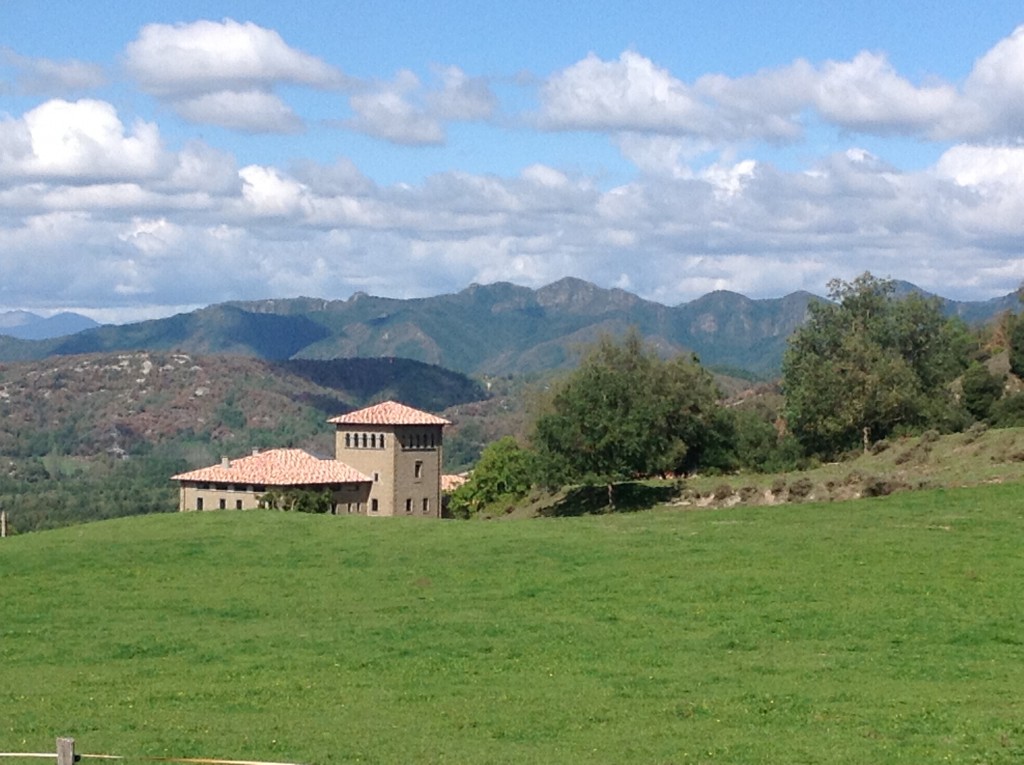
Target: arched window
[
  {"x": 373, "y": 440},
  {"x": 348, "y": 440},
  {"x": 364, "y": 440},
  {"x": 381, "y": 441}
]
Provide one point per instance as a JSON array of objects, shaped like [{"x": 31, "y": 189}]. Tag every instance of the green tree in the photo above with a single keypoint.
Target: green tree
[
  {"x": 625, "y": 413},
  {"x": 1015, "y": 339},
  {"x": 505, "y": 471},
  {"x": 867, "y": 364},
  {"x": 981, "y": 390}
]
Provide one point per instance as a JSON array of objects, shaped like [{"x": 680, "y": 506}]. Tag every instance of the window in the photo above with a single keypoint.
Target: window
[
  {"x": 408, "y": 505},
  {"x": 223, "y": 504},
  {"x": 418, "y": 469},
  {"x": 373, "y": 506},
  {"x": 238, "y": 504},
  {"x": 199, "y": 503},
  {"x": 348, "y": 440},
  {"x": 381, "y": 441},
  {"x": 373, "y": 440},
  {"x": 376, "y": 477},
  {"x": 426, "y": 505},
  {"x": 364, "y": 440}
]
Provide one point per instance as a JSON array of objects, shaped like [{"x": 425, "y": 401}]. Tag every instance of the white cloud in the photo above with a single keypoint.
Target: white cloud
[
  {"x": 224, "y": 73},
  {"x": 404, "y": 111},
  {"x": 984, "y": 166},
  {"x": 388, "y": 111},
  {"x": 867, "y": 94},
  {"x": 250, "y": 111},
  {"x": 628, "y": 94},
  {"x": 82, "y": 140},
  {"x": 995, "y": 92},
  {"x": 210, "y": 56},
  {"x": 461, "y": 97},
  {"x": 50, "y": 77},
  {"x": 268, "y": 193}
]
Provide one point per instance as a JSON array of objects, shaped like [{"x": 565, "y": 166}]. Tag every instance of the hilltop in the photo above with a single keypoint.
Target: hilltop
[{"x": 495, "y": 329}]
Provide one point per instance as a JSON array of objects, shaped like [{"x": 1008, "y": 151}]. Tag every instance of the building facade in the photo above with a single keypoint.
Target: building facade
[
  {"x": 400, "y": 448},
  {"x": 387, "y": 462}
]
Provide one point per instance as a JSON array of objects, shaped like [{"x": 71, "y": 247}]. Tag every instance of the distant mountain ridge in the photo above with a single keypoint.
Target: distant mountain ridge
[
  {"x": 25, "y": 325},
  {"x": 493, "y": 329}
]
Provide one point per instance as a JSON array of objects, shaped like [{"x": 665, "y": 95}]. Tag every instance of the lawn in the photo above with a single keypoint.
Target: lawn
[{"x": 876, "y": 631}]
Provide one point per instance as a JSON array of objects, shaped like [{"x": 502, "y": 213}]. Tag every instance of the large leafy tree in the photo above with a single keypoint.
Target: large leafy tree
[
  {"x": 505, "y": 471},
  {"x": 868, "y": 364},
  {"x": 625, "y": 413}
]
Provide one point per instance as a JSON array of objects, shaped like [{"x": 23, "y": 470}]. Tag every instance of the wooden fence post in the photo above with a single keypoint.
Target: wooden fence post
[{"x": 65, "y": 751}]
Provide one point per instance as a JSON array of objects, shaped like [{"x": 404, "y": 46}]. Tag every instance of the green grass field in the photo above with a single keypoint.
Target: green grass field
[{"x": 876, "y": 631}]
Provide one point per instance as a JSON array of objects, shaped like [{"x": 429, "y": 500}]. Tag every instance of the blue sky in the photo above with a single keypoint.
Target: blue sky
[{"x": 164, "y": 156}]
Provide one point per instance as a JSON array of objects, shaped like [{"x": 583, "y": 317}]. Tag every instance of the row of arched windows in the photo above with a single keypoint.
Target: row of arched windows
[
  {"x": 364, "y": 440},
  {"x": 419, "y": 441}
]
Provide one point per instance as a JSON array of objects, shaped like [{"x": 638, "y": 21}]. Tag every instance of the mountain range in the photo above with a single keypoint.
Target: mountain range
[
  {"x": 30, "y": 326},
  {"x": 495, "y": 329}
]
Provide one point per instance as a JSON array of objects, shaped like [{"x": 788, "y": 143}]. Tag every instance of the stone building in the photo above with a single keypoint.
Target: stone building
[{"x": 387, "y": 462}]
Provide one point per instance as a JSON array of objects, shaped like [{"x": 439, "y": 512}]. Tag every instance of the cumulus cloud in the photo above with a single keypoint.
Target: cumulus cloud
[
  {"x": 44, "y": 76},
  {"x": 185, "y": 224},
  {"x": 628, "y": 94},
  {"x": 405, "y": 111},
  {"x": 210, "y": 56},
  {"x": 388, "y": 111},
  {"x": 250, "y": 111},
  {"x": 78, "y": 141},
  {"x": 461, "y": 97},
  {"x": 995, "y": 92},
  {"x": 865, "y": 95},
  {"x": 326, "y": 230},
  {"x": 224, "y": 73}
]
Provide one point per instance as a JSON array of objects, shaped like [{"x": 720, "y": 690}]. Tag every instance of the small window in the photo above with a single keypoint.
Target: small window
[
  {"x": 418, "y": 469},
  {"x": 223, "y": 504},
  {"x": 426, "y": 505},
  {"x": 199, "y": 503},
  {"x": 373, "y": 506},
  {"x": 373, "y": 440},
  {"x": 238, "y": 504},
  {"x": 408, "y": 505},
  {"x": 376, "y": 477},
  {"x": 348, "y": 440},
  {"x": 381, "y": 440},
  {"x": 364, "y": 440}
]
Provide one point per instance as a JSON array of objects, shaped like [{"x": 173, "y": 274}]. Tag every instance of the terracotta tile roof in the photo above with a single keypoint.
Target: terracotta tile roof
[
  {"x": 277, "y": 467},
  {"x": 452, "y": 481},
  {"x": 388, "y": 413}
]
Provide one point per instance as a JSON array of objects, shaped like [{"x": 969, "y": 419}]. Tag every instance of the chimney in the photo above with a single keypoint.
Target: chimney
[{"x": 225, "y": 462}]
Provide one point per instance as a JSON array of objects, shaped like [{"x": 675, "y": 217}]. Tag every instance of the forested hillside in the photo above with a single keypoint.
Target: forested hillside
[{"x": 495, "y": 329}]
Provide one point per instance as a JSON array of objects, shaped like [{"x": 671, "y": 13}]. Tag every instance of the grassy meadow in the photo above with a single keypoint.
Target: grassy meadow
[{"x": 877, "y": 631}]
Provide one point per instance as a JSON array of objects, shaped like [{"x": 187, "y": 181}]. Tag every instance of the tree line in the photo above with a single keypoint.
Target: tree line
[{"x": 866, "y": 366}]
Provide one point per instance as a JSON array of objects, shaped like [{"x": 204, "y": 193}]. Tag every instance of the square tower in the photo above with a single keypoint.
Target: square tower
[{"x": 400, "y": 448}]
